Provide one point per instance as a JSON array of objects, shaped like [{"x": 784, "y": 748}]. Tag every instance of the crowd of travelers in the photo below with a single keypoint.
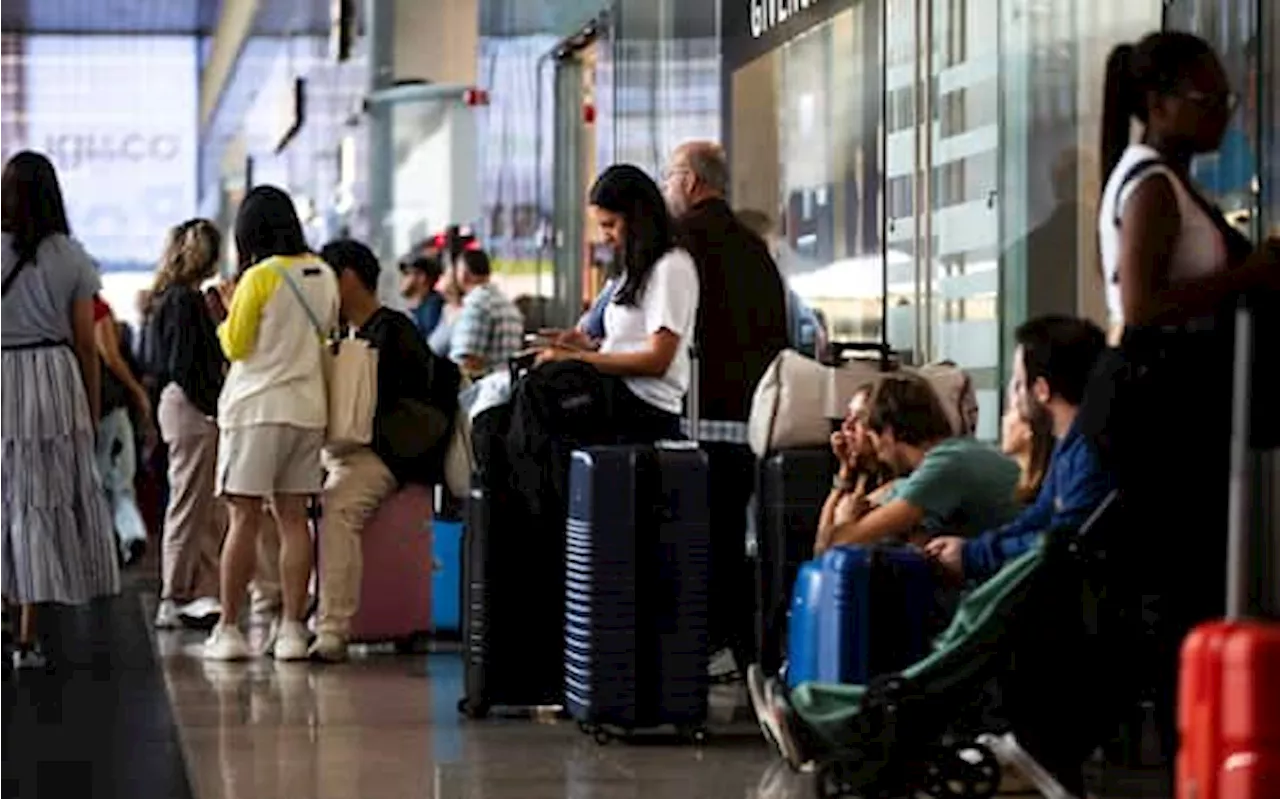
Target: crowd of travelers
[{"x": 232, "y": 380}]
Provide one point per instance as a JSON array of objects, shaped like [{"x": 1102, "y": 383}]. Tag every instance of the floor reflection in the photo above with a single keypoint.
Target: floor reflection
[{"x": 386, "y": 726}]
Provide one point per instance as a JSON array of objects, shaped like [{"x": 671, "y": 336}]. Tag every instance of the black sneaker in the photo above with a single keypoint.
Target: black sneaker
[{"x": 133, "y": 552}]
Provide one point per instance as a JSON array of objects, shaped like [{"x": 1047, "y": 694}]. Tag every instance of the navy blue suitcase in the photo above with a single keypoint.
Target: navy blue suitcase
[{"x": 637, "y": 564}]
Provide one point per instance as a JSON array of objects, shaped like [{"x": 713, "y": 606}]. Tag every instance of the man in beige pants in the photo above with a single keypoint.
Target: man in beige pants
[{"x": 358, "y": 480}]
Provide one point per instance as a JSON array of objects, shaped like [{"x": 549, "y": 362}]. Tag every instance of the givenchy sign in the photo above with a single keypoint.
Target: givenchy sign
[{"x": 769, "y": 14}]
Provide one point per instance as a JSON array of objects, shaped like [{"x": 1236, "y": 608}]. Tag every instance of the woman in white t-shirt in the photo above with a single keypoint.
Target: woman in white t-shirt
[{"x": 649, "y": 323}]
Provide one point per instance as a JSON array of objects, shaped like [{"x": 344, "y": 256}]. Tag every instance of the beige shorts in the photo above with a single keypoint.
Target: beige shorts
[{"x": 266, "y": 459}]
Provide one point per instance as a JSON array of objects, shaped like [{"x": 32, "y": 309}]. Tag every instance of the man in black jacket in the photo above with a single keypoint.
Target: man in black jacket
[
  {"x": 741, "y": 327},
  {"x": 416, "y": 400}
]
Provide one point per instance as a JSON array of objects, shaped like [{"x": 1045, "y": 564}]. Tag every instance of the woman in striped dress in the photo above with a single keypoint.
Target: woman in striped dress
[{"x": 58, "y": 543}]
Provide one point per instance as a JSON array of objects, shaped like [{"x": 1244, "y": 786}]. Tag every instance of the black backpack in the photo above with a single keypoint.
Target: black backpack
[{"x": 556, "y": 408}]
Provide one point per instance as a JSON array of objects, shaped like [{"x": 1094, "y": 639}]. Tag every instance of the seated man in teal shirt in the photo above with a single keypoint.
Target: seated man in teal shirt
[{"x": 954, "y": 485}]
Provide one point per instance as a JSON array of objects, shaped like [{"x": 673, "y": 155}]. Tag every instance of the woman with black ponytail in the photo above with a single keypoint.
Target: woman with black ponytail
[
  {"x": 1160, "y": 410},
  {"x": 1168, "y": 256}
]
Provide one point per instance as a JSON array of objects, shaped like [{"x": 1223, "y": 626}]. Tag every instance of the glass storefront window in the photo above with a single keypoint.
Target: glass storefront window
[{"x": 805, "y": 154}]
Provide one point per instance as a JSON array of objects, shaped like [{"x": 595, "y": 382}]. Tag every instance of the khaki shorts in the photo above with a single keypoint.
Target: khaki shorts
[{"x": 266, "y": 459}]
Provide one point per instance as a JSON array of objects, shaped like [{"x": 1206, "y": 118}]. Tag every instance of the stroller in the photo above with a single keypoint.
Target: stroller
[{"x": 905, "y": 738}]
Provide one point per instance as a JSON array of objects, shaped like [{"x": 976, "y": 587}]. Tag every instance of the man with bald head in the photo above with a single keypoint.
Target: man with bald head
[{"x": 741, "y": 327}]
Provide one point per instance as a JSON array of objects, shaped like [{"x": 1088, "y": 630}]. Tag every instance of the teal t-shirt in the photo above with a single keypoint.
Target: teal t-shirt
[{"x": 963, "y": 486}]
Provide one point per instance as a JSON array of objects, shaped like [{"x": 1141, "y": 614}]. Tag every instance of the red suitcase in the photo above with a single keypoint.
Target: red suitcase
[
  {"x": 1229, "y": 711},
  {"x": 395, "y": 591},
  {"x": 1229, "y": 671}
]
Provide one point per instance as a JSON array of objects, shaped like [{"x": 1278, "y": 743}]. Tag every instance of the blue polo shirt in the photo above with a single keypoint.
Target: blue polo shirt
[{"x": 1074, "y": 486}]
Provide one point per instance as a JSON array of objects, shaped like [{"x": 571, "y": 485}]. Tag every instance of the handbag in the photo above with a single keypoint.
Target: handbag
[
  {"x": 350, "y": 368},
  {"x": 458, "y": 461},
  {"x": 797, "y": 399}
]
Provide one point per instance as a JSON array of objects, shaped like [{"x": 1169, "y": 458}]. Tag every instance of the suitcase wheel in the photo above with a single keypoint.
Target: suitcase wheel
[
  {"x": 835, "y": 780},
  {"x": 695, "y": 735},
  {"x": 602, "y": 736},
  {"x": 963, "y": 771},
  {"x": 472, "y": 710}
]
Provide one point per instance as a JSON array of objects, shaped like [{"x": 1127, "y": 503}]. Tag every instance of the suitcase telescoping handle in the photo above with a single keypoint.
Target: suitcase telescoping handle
[
  {"x": 1240, "y": 498},
  {"x": 879, "y": 348},
  {"x": 693, "y": 404}
]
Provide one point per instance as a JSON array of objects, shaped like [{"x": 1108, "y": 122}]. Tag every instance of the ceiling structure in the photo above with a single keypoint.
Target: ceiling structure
[{"x": 135, "y": 17}]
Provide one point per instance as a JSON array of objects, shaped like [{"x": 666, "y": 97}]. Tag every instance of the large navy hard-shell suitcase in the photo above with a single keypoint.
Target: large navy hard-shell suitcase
[{"x": 636, "y": 601}]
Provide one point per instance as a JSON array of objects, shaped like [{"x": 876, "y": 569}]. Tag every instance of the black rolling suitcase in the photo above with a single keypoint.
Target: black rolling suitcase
[
  {"x": 636, "y": 601},
  {"x": 512, "y": 603},
  {"x": 791, "y": 487}
]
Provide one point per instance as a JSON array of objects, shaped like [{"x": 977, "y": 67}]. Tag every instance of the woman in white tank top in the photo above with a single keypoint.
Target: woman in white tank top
[
  {"x": 1158, "y": 410},
  {"x": 1167, "y": 256}
]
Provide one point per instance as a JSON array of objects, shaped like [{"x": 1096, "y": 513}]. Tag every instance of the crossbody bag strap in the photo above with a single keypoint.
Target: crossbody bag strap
[
  {"x": 302, "y": 300},
  {"x": 13, "y": 275}
]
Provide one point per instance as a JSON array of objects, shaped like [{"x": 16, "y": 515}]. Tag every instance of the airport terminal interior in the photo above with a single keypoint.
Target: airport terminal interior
[{"x": 930, "y": 178}]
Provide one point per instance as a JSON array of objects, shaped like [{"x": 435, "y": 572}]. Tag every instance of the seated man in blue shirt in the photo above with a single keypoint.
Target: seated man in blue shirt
[{"x": 1051, "y": 366}]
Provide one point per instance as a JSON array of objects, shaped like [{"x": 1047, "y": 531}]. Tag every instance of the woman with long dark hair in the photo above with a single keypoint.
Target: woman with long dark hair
[
  {"x": 649, "y": 323},
  {"x": 59, "y": 546},
  {"x": 188, "y": 367},
  {"x": 272, "y": 412}
]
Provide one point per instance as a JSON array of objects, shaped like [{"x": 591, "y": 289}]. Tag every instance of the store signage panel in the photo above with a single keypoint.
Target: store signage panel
[{"x": 754, "y": 27}]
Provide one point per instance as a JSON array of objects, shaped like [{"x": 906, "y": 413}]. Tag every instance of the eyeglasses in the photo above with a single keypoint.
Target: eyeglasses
[{"x": 1222, "y": 101}]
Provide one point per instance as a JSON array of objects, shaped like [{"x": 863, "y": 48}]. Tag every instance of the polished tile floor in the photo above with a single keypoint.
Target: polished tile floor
[
  {"x": 134, "y": 713},
  {"x": 388, "y": 726}
]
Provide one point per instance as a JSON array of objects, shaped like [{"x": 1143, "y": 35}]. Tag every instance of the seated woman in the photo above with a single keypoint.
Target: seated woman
[
  {"x": 1030, "y": 443},
  {"x": 861, "y": 473},
  {"x": 649, "y": 322},
  {"x": 955, "y": 483}
]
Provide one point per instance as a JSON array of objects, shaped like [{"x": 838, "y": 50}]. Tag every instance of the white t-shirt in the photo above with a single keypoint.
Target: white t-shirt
[
  {"x": 1199, "y": 249},
  {"x": 669, "y": 301}
]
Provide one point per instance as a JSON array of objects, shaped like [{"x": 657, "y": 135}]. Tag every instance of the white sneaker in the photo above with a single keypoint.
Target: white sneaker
[
  {"x": 167, "y": 615},
  {"x": 226, "y": 643},
  {"x": 329, "y": 647},
  {"x": 291, "y": 641},
  {"x": 723, "y": 667},
  {"x": 201, "y": 614},
  {"x": 29, "y": 659}
]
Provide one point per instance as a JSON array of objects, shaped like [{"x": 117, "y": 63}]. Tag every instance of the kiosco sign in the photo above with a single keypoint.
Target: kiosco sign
[{"x": 769, "y": 14}]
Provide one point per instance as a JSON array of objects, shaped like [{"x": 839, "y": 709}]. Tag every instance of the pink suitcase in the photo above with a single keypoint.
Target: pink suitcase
[{"x": 395, "y": 591}]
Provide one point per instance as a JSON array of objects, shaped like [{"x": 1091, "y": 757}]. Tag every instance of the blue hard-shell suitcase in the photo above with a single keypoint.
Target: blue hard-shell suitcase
[
  {"x": 878, "y": 609},
  {"x": 636, "y": 601},
  {"x": 803, "y": 624},
  {"x": 446, "y": 590}
]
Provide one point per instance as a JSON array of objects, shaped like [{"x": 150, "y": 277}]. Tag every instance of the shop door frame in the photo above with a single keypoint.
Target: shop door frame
[{"x": 570, "y": 143}]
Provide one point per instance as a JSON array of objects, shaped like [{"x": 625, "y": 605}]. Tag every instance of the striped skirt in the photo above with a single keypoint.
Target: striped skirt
[{"x": 58, "y": 542}]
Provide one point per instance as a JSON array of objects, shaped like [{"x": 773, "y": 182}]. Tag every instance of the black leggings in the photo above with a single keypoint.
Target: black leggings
[{"x": 637, "y": 421}]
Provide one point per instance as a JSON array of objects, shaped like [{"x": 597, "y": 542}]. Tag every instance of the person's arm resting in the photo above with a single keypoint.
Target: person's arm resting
[
  {"x": 935, "y": 489},
  {"x": 1075, "y": 487},
  {"x": 898, "y": 517},
  {"x": 238, "y": 334},
  {"x": 984, "y": 555}
]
